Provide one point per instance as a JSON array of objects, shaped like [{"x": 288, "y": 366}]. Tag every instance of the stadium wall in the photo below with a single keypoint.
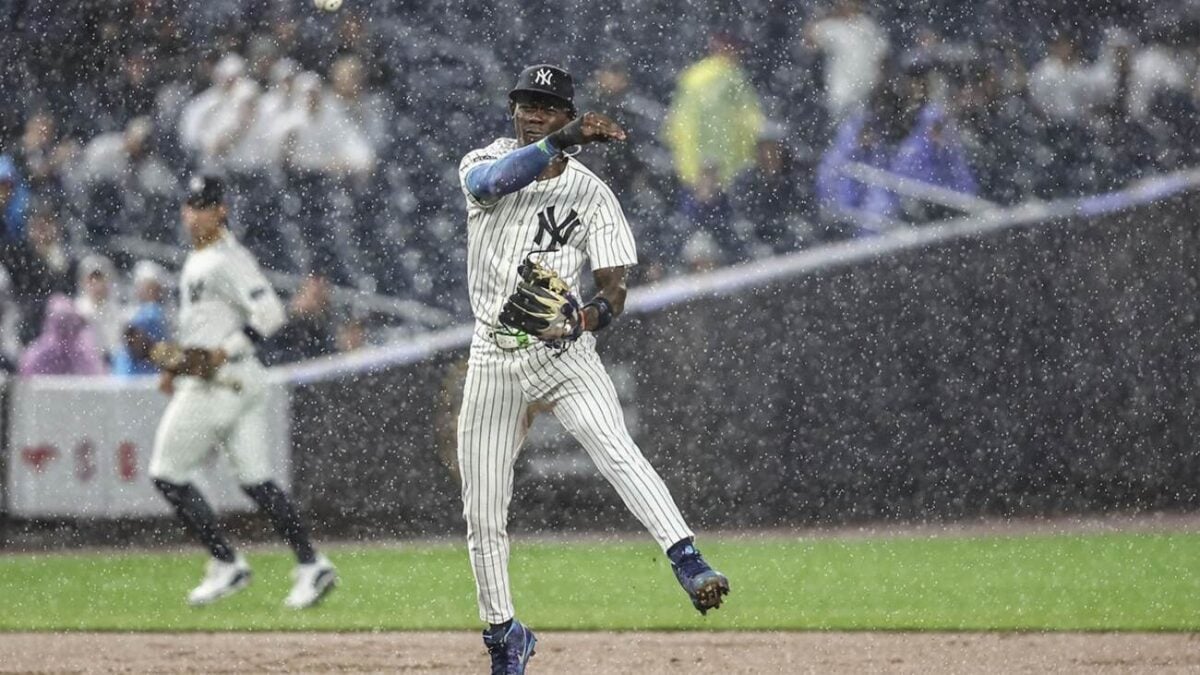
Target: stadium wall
[
  {"x": 81, "y": 446},
  {"x": 1037, "y": 361}
]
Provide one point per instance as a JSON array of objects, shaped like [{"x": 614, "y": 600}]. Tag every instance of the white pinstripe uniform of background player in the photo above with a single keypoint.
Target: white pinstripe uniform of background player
[
  {"x": 224, "y": 300},
  {"x": 579, "y": 217},
  {"x": 221, "y": 291}
]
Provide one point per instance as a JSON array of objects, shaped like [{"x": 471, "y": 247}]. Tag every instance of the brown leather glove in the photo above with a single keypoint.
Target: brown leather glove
[{"x": 193, "y": 361}]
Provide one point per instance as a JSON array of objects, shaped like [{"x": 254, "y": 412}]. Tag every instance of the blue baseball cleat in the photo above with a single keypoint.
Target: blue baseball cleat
[
  {"x": 704, "y": 585},
  {"x": 511, "y": 651}
]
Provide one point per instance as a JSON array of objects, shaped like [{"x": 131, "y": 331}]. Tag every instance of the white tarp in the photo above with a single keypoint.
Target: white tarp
[{"x": 80, "y": 447}]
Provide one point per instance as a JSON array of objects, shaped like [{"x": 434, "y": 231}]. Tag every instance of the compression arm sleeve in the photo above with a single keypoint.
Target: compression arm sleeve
[{"x": 491, "y": 181}]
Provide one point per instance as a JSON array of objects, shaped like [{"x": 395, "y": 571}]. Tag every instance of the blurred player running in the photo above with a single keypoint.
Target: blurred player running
[
  {"x": 534, "y": 216},
  {"x": 216, "y": 384}
]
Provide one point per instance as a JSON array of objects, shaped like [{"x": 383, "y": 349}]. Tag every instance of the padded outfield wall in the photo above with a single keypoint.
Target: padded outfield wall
[{"x": 1039, "y": 361}]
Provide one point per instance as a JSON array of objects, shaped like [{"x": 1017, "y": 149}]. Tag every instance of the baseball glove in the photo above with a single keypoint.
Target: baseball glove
[
  {"x": 184, "y": 361},
  {"x": 543, "y": 305}
]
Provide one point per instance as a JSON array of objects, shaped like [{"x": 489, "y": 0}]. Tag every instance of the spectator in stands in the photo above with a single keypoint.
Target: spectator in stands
[
  {"x": 151, "y": 286},
  {"x": 256, "y": 166},
  {"x": 284, "y": 31},
  {"x": 868, "y": 137},
  {"x": 768, "y": 198},
  {"x": 66, "y": 345},
  {"x": 939, "y": 63},
  {"x": 146, "y": 327},
  {"x": 999, "y": 128},
  {"x": 125, "y": 161},
  {"x": 639, "y": 170},
  {"x": 714, "y": 119},
  {"x": 706, "y": 207},
  {"x": 208, "y": 125},
  {"x": 128, "y": 188},
  {"x": 1071, "y": 94},
  {"x": 625, "y": 165},
  {"x": 368, "y": 111},
  {"x": 1168, "y": 63},
  {"x": 38, "y": 267},
  {"x": 14, "y": 200},
  {"x": 325, "y": 154},
  {"x": 854, "y": 46},
  {"x": 612, "y": 91},
  {"x": 261, "y": 55},
  {"x": 1064, "y": 87},
  {"x": 1175, "y": 115},
  {"x": 1016, "y": 137},
  {"x": 354, "y": 36},
  {"x": 701, "y": 253},
  {"x": 352, "y": 335},
  {"x": 1124, "y": 148},
  {"x": 37, "y": 157},
  {"x": 97, "y": 303},
  {"x": 175, "y": 91},
  {"x": 932, "y": 153},
  {"x": 258, "y": 150},
  {"x": 322, "y": 138},
  {"x": 131, "y": 92},
  {"x": 309, "y": 331},
  {"x": 148, "y": 324}
]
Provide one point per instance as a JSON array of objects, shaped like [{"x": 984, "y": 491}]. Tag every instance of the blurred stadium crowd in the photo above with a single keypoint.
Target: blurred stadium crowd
[{"x": 756, "y": 128}]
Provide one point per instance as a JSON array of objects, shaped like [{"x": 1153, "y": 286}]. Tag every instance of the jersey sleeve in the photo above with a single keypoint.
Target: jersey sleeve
[
  {"x": 610, "y": 241},
  {"x": 473, "y": 159},
  {"x": 248, "y": 289}
]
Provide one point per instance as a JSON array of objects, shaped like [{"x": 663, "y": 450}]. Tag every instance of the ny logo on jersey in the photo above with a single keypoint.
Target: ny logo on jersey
[
  {"x": 542, "y": 76},
  {"x": 559, "y": 232}
]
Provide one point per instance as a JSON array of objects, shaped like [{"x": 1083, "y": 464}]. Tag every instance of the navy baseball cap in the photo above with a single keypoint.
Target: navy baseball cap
[
  {"x": 205, "y": 190},
  {"x": 546, "y": 80}
]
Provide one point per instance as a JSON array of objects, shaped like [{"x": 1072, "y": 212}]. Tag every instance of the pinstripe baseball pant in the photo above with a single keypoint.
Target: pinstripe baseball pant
[{"x": 492, "y": 425}]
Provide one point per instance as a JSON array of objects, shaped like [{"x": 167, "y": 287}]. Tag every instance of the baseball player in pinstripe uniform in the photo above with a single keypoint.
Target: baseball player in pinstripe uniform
[
  {"x": 218, "y": 397},
  {"x": 536, "y": 214}
]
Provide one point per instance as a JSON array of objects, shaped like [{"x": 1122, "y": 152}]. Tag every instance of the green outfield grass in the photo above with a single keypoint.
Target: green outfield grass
[{"x": 1037, "y": 582}]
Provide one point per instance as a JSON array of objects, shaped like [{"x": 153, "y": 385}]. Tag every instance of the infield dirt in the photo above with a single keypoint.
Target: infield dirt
[{"x": 642, "y": 653}]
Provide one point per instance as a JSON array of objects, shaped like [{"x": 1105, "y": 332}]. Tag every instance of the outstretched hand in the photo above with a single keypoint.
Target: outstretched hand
[
  {"x": 600, "y": 128},
  {"x": 590, "y": 127}
]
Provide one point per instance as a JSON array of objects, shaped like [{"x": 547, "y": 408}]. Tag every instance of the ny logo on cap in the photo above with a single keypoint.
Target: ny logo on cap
[{"x": 542, "y": 76}]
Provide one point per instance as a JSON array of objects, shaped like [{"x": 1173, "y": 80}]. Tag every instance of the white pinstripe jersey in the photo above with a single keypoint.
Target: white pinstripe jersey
[{"x": 574, "y": 213}]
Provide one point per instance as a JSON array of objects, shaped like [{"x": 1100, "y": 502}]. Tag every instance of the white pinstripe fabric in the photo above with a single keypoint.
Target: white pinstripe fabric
[
  {"x": 499, "y": 236},
  {"x": 492, "y": 426},
  {"x": 501, "y": 385}
]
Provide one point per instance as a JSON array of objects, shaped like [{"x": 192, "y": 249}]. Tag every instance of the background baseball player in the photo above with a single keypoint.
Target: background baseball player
[
  {"x": 216, "y": 384},
  {"x": 533, "y": 341}
]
